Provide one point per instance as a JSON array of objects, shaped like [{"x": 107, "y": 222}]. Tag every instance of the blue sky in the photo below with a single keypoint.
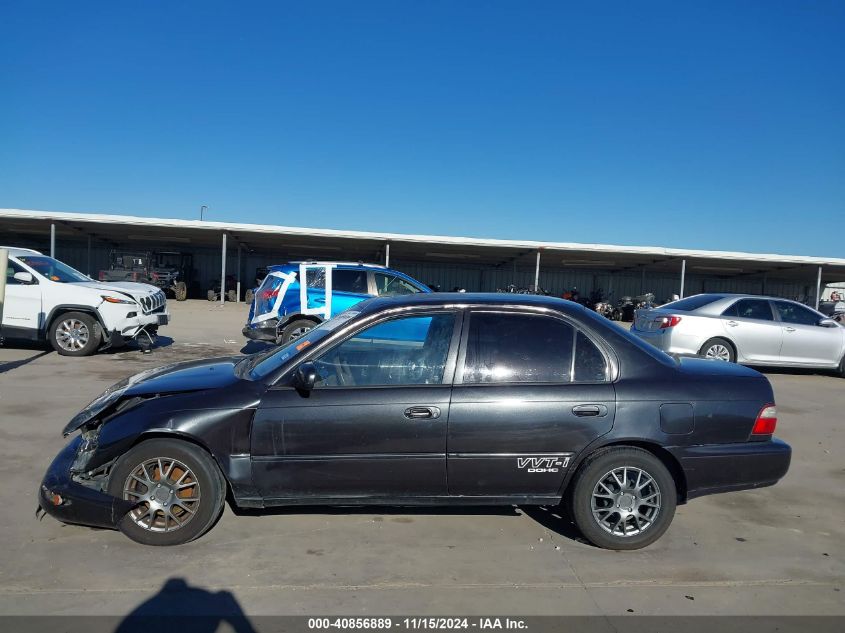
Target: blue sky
[{"x": 716, "y": 125}]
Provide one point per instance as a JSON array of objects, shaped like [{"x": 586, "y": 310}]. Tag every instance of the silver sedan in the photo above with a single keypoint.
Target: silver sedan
[{"x": 745, "y": 329}]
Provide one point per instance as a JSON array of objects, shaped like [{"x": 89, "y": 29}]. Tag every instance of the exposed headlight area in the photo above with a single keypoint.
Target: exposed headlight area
[{"x": 113, "y": 299}]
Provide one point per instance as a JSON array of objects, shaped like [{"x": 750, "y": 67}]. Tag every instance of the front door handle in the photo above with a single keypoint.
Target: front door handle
[
  {"x": 790, "y": 329},
  {"x": 590, "y": 410},
  {"x": 421, "y": 413},
  {"x": 733, "y": 323}
]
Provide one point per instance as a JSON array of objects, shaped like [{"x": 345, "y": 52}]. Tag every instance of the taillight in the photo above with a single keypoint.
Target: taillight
[
  {"x": 766, "y": 421},
  {"x": 669, "y": 321}
]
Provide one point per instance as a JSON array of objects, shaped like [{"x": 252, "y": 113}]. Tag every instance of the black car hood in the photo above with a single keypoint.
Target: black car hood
[
  {"x": 712, "y": 367},
  {"x": 198, "y": 375}
]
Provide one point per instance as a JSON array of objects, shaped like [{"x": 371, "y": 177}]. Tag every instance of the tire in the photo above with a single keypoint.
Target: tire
[
  {"x": 719, "y": 349},
  {"x": 294, "y": 330},
  {"x": 840, "y": 371},
  {"x": 212, "y": 296},
  {"x": 179, "y": 461},
  {"x": 75, "y": 334},
  {"x": 232, "y": 296},
  {"x": 599, "y": 475},
  {"x": 180, "y": 290},
  {"x": 249, "y": 296}
]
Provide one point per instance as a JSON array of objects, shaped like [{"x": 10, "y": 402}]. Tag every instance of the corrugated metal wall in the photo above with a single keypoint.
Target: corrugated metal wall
[{"x": 447, "y": 276}]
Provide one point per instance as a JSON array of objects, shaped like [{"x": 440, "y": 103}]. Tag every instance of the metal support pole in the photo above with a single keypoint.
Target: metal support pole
[
  {"x": 642, "y": 282},
  {"x": 53, "y": 240},
  {"x": 683, "y": 276},
  {"x": 537, "y": 273},
  {"x": 387, "y": 255},
  {"x": 818, "y": 287},
  {"x": 763, "y": 285},
  {"x": 239, "y": 274},
  {"x": 4, "y": 262},
  {"x": 223, "y": 273},
  {"x": 88, "y": 257}
]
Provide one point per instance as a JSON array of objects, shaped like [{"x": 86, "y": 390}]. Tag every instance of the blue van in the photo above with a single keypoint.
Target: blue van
[{"x": 284, "y": 308}]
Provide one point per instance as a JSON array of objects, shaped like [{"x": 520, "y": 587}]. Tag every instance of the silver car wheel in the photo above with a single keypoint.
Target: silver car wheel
[
  {"x": 72, "y": 335},
  {"x": 167, "y": 493},
  {"x": 626, "y": 501},
  {"x": 719, "y": 352}
]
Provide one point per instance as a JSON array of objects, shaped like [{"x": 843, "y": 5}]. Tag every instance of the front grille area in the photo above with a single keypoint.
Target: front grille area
[{"x": 153, "y": 303}]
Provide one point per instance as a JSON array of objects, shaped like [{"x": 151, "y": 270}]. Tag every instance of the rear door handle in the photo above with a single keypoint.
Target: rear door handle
[
  {"x": 590, "y": 410},
  {"x": 420, "y": 413}
]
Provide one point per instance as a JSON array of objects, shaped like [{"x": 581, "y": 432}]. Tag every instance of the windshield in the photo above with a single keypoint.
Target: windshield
[
  {"x": 53, "y": 269},
  {"x": 264, "y": 363}
]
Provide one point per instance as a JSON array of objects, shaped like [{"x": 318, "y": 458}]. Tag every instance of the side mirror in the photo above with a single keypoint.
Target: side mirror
[
  {"x": 828, "y": 323},
  {"x": 305, "y": 376},
  {"x": 24, "y": 277}
]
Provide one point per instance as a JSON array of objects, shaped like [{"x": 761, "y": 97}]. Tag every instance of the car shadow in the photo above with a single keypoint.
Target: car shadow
[
  {"x": 377, "y": 509},
  {"x": 556, "y": 520},
  {"x": 14, "y": 364},
  {"x": 253, "y": 347},
  {"x": 134, "y": 346},
  {"x": 182, "y": 607},
  {"x": 552, "y": 518},
  {"x": 794, "y": 371}
]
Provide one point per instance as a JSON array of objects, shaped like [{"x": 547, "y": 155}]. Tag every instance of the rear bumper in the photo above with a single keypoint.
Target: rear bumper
[
  {"x": 670, "y": 341},
  {"x": 715, "y": 468},
  {"x": 79, "y": 504}
]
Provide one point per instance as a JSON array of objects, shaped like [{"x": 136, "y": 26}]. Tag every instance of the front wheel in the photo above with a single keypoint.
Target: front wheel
[
  {"x": 211, "y": 295},
  {"x": 180, "y": 290},
  {"x": 718, "y": 349},
  {"x": 177, "y": 486},
  {"x": 249, "y": 296},
  {"x": 622, "y": 498},
  {"x": 75, "y": 334},
  {"x": 293, "y": 331}
]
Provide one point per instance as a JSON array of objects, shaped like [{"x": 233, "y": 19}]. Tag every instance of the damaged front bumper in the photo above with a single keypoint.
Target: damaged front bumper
[
  {"x": 265, "y": 332},
  {"x": 69, "y": 501}
]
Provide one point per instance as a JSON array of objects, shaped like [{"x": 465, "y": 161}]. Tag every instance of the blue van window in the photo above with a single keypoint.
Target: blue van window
[
  {"x": 349, "y": 281},
  {"x": 402, "y": 351}
]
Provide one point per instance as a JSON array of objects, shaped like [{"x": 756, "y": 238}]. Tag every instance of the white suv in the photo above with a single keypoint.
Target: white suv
[{"x": 46, "y": 298}]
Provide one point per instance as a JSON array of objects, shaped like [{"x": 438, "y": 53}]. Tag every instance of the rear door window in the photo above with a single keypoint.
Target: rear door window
[
  {"x": 759, "y": 309},
  {"x": 516, "y": 348},
  {"x": 794, "y": 313},
  {"x": 349, "y": 281}
]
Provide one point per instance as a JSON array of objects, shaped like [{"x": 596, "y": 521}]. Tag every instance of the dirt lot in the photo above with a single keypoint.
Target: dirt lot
[{"x": 773, "y": 551}]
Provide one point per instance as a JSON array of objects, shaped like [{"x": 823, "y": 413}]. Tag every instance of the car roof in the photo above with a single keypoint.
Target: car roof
[
  {"x": 492, "y": 299},
  {"x": 15, "y": 251}
]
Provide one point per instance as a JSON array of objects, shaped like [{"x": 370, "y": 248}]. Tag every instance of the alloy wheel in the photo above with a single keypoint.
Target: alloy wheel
[
  {"x": 626, "y": 501},
  {"x": 718, "y": 352},
  {"x": 167, "y": 493},
  {"x": 72, "y": 335}
]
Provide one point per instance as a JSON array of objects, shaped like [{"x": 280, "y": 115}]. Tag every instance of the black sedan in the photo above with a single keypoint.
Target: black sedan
[{"x": 431, "y": 399}]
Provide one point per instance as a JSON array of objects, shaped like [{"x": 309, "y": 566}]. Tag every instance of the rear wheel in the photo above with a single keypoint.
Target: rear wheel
[
  {"x": 622, "y": 498},
  {"x": 293, "y": 331},
  {"x": 841, "y": 369},
  {"x": 180, "y": 290},
  {"x": 718, "y": 349},
  {"x": 231, "y": 296},
  {"x": 75, "y": 334},
  {"x": 249, "y": 296},
  {"x": 212, "y": 296},
  {"x": 178, "y": 488}
]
